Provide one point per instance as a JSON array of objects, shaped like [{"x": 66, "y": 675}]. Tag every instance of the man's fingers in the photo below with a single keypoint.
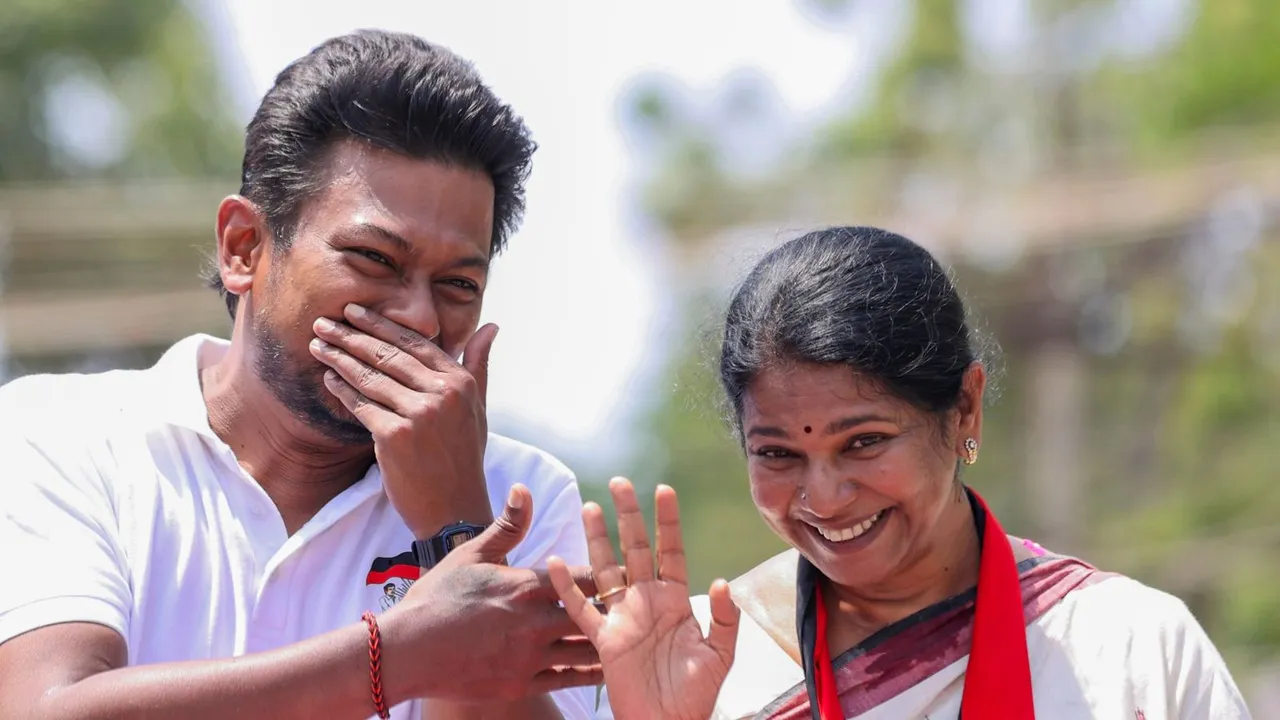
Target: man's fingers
[
  {"x": 415, "y": 344},
  {"x": 580, "y": 610},
  {"x": 573, "y": 652},
  {"x": 370, "y": 414},
  {"x": 561, "y": 678},
  {"x": 475, "y": 358},
  {"x": 367, "y": 380},
  {"x": 559, "y": 625},
  {"x": 371, "y": 352},
  {"x": 506, "y": 532},
  {"x": 723, "y": 637},
  {"x": 582, "y": 577}
]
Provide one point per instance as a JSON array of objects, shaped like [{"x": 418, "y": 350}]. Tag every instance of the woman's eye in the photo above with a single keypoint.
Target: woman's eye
[
  {"x": 863, "y": 441},
  {"x": 773, "y": 453}
]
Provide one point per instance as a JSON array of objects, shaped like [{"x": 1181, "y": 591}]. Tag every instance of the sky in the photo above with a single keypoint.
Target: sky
[{"x": 580, "y": 295}]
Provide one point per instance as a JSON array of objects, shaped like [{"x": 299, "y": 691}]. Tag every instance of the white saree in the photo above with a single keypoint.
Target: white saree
[{"x": 1100, "y": 645}]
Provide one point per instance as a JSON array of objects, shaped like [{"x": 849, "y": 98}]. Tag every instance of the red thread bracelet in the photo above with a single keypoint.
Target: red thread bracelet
[{"x": 375, "y": 664}]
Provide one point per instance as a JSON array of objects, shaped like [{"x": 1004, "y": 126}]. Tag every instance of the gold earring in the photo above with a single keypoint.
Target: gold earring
[{"x": 970, "y": 451}]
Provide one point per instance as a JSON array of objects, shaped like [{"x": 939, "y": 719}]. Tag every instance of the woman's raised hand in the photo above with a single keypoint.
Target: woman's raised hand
[{"x": 657, "y": 664}]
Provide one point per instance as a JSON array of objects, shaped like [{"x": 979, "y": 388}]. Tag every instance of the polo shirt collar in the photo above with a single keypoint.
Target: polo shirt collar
[
  {"x": 179, "y": 396},
  {"x": 179, "y": 404}
]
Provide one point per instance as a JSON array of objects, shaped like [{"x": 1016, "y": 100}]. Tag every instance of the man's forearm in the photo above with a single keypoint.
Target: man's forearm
[
  {"x": 540, "y": 707},
  {"x": 326, "y": 676}
]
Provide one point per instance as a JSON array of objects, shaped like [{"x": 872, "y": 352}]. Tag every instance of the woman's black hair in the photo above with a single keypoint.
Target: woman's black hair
[{"x": 856, "y": 296}]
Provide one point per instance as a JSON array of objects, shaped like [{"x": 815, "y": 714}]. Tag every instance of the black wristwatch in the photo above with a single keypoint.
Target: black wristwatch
[{"x": 431, "y": 551}]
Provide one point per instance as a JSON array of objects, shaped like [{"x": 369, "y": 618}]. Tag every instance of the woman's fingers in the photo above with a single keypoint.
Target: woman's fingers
[
  {"x": 669, "y": 539},
  {"x": 583, "y": 613},
  {"x": 632, "y": 535},
  {"x": 604, "y": 565},
  {"x": 723, "y": 637}
]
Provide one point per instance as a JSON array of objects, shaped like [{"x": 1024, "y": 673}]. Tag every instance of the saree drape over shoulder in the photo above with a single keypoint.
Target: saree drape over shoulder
[{"x": 1100, "y": 645}]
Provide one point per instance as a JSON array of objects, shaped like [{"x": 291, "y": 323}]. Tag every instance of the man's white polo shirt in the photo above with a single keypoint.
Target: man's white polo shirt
[{"x": 120, "y": 506}]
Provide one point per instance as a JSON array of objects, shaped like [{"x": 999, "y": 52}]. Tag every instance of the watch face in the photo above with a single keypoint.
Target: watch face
[{"x": 458, "y": 538}]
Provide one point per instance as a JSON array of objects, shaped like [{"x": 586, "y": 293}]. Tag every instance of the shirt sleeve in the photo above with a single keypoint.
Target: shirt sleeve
[
  {"x": 61, "y": 559},
  {"x": 557, "y": 530},
  {"x": 1198, "y": 676}
]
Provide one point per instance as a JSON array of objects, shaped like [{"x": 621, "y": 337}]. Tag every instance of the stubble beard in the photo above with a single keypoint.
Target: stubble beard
[{"x": 301, "y": 391}]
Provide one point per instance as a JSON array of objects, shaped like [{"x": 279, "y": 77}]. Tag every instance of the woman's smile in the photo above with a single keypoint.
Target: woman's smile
[{"x": 852, "y": 537}]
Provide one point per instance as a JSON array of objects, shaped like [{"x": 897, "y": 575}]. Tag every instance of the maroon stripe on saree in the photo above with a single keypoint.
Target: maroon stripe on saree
[{"x": 907, "y": 652}]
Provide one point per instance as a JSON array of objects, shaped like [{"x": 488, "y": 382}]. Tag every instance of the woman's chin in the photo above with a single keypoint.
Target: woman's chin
[{"x": 850, "y": 576}]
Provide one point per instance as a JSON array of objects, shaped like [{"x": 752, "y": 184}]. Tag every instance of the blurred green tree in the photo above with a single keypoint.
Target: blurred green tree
[{"x": 142, "y": 69}]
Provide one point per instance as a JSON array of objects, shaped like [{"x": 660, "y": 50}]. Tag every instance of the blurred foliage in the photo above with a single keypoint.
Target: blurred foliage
[
  {"x": 94, "y": 94},
  {"x": 1222, "y": 73},
  {"x": 1180, "y": 435},
  {"x": 930, "y": 68},
  {"x": 143, "y": 67}
]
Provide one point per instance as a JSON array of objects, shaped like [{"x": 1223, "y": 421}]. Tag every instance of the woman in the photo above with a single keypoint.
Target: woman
[{"x": 857, "y": 395}]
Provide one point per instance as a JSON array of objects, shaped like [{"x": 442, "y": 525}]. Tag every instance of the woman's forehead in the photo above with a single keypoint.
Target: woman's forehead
[{"x": 817, "y": 391}]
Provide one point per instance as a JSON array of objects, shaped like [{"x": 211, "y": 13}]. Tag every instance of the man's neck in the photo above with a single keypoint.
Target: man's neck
[
  {"x": 946, "y": 568},
  {"x": 299, "y": 468}
]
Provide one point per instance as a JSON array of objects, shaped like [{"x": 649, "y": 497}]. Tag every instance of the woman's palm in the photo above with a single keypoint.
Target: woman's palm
[{"x": 657, "y": 664}]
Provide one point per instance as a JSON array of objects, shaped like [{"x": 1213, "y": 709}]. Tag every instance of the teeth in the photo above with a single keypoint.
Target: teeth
[{"x": 852, "y": 532}]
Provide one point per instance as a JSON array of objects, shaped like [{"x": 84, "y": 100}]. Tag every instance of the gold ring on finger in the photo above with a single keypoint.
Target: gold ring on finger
[{"x": 606, "y": 595}]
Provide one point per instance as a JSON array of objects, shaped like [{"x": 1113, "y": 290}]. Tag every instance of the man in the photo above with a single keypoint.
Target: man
[
  {"x": 253, "y": 499},
  {"x": 391, "y": 596}
]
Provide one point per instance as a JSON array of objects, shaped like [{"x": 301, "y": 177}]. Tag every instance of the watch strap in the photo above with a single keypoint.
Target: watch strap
[{"x": 431, "y": 551}]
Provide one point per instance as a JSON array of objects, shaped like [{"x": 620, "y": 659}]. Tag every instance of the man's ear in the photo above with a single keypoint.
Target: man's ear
[{"x": 242, "y": 239}]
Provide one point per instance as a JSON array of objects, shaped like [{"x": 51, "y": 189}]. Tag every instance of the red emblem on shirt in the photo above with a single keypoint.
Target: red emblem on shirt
[{"x": 403, "y": 566}]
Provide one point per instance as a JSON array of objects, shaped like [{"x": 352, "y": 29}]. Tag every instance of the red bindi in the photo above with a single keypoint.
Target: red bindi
[{"x": 808, "y": 429}]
